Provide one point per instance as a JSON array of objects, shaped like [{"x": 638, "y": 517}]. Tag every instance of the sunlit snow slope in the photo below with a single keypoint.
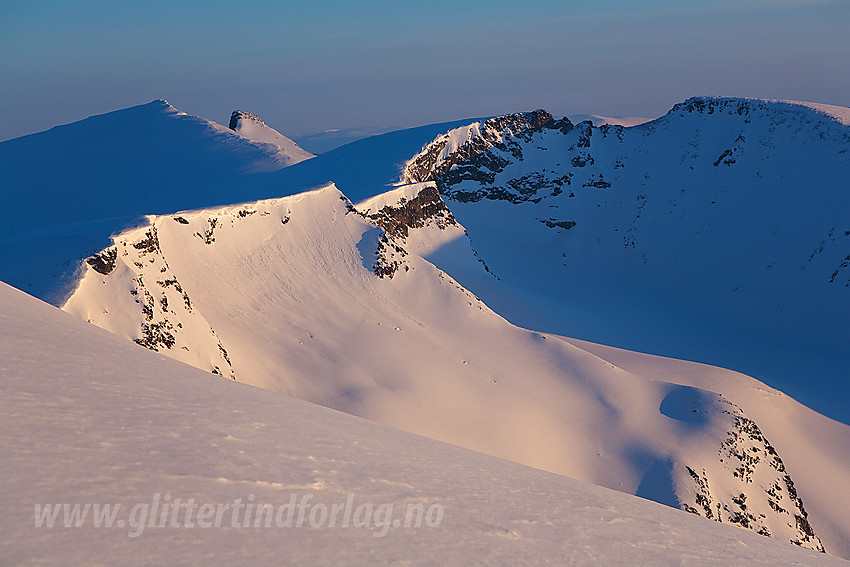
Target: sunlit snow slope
[
  {"x": 333, "y": 303},
  {"x": 89, "y": 418}
]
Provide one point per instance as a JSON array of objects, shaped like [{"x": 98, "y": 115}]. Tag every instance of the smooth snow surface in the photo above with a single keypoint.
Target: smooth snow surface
[
  {"x": 839, "y": 113},
  {"x": 89, "y": 418},
  {"x": 69, "y": 188}
]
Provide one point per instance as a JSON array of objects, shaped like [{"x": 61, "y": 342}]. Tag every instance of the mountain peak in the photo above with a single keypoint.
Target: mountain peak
[
  {"x": 745, "y": 106},
  {"x": 252, "y": 127},
  {"x": 466, "y": 142},
  {"x": 239, "y": 116}
]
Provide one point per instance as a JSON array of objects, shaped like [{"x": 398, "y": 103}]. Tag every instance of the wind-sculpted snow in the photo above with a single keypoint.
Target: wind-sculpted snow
[
  {"x": 70, "y": 187},
  {"x": 334, "y": 303}
]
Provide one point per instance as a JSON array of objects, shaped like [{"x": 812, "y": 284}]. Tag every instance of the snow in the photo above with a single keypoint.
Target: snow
[
  {"x": 141, "y": 160},
  {"x": 321, "y": 142},
  {"x": 838, "y": 113},
  {"x": 280, "y": 291},
  {"x": 288, "y": 153},
  {"x": 153, "y": 159},
  {"x": 90, "y": 418},
  {"x": 598, "y": 120},
  {"x": 294, "y": 298},
  {"x": 740, "y": 264}
]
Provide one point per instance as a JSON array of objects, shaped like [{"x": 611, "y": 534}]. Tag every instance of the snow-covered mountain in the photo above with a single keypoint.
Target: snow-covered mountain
[
  {"x": 90, "y": 419},
  {"x": 401, "y": 304},
  {"x": 67, "y": 189},
  {"x": 334, "y": 303},
  {"x": 717, "y": 233},
  {"x": 252, "y": 127}
]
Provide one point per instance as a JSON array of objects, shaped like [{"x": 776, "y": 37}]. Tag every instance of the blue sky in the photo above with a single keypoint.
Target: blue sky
[{"x": 306, "y": 67}]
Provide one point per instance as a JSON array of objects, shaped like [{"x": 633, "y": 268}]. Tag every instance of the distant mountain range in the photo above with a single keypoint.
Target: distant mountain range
[{"x": 321, "y": 142}]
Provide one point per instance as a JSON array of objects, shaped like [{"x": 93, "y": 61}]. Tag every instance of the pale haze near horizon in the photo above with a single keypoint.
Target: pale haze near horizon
[{"x": 308, "y": 68}]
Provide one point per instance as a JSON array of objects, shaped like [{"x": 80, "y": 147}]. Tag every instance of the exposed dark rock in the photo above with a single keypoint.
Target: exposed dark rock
[
  {"x": 208, "y": 234},
  {"x": 582, "y": 160},
  {"x": 349, "y": 206},
  {"x": 240, "y": 115},
  {"x": 150, "y": 243},
  {"x": 104, "y": 262},
  {"x": 415, "y": 213},
  {"x": 725, "y": 158},
  {"x": 156, "y": 336},
  {"x": 598, "y": 183},
  {"x": 389, "y": 257},
  {"x": 585, "y": 134},
  {"x": 746, "y": 450},
  {"x": 552, "y": 223},
  {"x": 494, "y": 133}
]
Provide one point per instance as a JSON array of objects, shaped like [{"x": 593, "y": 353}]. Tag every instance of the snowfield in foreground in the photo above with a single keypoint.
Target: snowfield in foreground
[{"x": 90, "y": 418}]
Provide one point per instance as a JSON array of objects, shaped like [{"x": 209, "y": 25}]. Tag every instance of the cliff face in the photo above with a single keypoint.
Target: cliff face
[
  {"x": 239, "y": 116},
  {"x": 466, "y": 147},
  {"x": 397, "y": 219}
]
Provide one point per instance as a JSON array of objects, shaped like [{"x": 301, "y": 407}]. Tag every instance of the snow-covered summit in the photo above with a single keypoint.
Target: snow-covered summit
[
  {"x": 599, "y": 120},
  {"x": 252, "y": 127},
  {"x": 393, "y": 307}
]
